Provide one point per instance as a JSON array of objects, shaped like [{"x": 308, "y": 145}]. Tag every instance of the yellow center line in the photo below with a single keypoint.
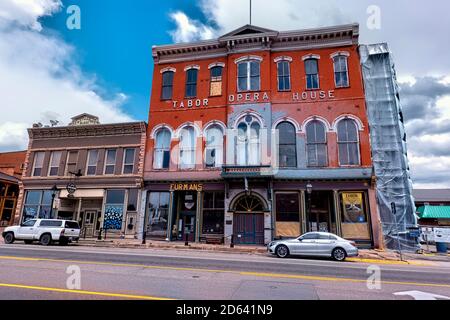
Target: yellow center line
[
  {"x": 83, "y": 292},
  {"x": 244, "y": 273}
]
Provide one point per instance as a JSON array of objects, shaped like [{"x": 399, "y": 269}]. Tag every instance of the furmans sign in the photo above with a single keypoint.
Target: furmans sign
[{"x": 186, "y": 187}]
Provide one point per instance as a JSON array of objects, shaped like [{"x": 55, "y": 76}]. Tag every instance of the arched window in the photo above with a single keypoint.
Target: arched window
[
  {"x": 162, "y": 149},
  {"x": 284, "y": 75},
  {"x": 191, "y": 83},
  {"x": 249, "y": 75},
  {"x": 312, "y": 73},
  {"x": 340, "y": 71},
  {"x": 187, "y": 148},
  {"x": 248, "y": 142},
  {"x": 216, "y": 81},
  {"x": 167, "y": 85},
  {"x": 348, "y": 142},
  {"x": 287, "y": 147},
  {"x": 214, "y": 147},
  {"x": 316, "y": 144}
]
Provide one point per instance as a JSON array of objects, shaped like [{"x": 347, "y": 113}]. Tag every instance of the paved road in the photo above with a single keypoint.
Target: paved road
[{"x": 35, "y": 272}]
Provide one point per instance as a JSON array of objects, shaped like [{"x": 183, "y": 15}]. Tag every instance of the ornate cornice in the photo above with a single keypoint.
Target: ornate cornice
[
  {"x": 131, "y": 128},
  {"x": 261, "y": 39}
]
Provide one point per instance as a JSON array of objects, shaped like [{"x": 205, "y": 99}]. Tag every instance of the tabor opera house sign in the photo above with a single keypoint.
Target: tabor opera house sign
[{"x": 256, "y": 97}]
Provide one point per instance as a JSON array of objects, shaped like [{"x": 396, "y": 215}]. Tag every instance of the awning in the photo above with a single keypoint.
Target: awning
[
  {"x": 83, "y": 193},
  {"x": 434, "y": 212}
]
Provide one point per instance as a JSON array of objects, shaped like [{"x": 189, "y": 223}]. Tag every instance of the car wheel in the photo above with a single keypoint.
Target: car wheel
[
  {"x": 45, "y": 240},
  {"x": 9, "y": 238},
  {"x": 339, "y": 254},
  {"x": 28, "y": 241},
  {"x": 282, "y": 251}
]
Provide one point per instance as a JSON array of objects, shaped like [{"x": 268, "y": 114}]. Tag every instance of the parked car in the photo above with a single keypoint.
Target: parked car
[
  {"x": 43, "y": 230},
  {"x": 318, "y": 244}
]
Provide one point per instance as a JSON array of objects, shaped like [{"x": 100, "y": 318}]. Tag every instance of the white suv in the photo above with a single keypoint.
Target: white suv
[{"x": 43, "y": 230}]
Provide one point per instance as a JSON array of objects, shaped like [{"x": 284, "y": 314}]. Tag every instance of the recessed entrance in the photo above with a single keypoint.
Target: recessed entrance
[{"x": 248, "y": 221}]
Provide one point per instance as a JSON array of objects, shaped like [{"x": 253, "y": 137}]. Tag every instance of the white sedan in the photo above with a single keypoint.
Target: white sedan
[{"x": 318, "y": 244}]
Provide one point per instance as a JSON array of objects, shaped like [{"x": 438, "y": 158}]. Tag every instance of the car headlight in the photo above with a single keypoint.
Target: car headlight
[{"x": 271, "y": 244}]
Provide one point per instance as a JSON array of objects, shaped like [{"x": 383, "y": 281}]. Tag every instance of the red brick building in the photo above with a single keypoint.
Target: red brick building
[
  {"x": 258, "y": 135},
  {"x": 11, "y": 166}
]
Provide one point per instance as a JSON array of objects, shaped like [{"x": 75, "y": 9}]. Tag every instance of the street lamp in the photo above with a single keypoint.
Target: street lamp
[
  {"x": 54, "y": 190},
  {"x": 309, "y": 190}
]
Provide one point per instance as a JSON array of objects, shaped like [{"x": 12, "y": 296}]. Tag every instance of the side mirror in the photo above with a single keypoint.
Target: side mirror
[{"x": 300, "y": 239}]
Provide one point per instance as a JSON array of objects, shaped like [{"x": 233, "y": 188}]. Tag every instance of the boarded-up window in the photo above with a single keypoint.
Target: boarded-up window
[
  {"x": 216, "y": 81},
  {"x": 287, "y": 214}
]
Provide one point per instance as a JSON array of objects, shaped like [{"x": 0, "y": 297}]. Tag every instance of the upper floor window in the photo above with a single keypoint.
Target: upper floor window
[
  {"x": 191, "y": 83},
  {"x": 341, "y": 71},
  {"x": 162, "y": 149},
  {"x": 287, "y": 145},
  {"x": 214, "y": 147},
  {"x": 248, "y": 151},
  {"x": 249, "y": 75},
  {"x": 316, "y": 144},
  {"x": 348, "y": 142},
  {"x": 110, "y": 161},
  {"x": 72, "y": 162},
  {"x": 55, "y": 160},
  {"x": 128, "y": 161},
  {"x": 167, "y": 85},
  {"x": 187, "y": 148},
  {"x": 92, "y": 161},
  {"x": 216, "y": 81},
  {"x": 284, "y": 76},
  {"x": 312, "y": 73},
  {"x": 38, "y": 163}
]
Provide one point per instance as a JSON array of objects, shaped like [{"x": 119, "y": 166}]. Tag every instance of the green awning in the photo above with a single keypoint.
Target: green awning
[{"x": 434, "y": 212}]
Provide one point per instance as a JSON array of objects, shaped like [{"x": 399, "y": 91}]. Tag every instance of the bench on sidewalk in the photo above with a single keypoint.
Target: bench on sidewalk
[{"x": 214, "y": 239}]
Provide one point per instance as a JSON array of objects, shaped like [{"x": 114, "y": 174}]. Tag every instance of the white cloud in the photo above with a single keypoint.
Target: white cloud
[
  {"x": 188, "y": 30},
  {"x": 39, "y": 79}
]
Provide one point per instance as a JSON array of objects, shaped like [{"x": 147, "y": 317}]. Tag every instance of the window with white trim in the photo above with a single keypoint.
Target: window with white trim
[
  {"x": 167, "y": 85},
  {"x": 214, "y": 147},
  {"x": 287, "y": 145},
  {"x": 341, "y": 71},
  {"x": 162, "y": 149},
  {"x": 216, "y": 81},
  {"x": 38, "y": 163},
  {"x": 249, "y": 75},
  {"x": 187, "y": 148},
  {"x": 191, "y": 83},
  {"x": 91, "y": 168},
  {"x": 128, "y": 161},
  {"x": 110, "y": 162},
  {"x": 348, "y": 142},
  {"x": 284, "y": 75},
  {"x": 312, "y": 73},
  {"x": 55, "y": 160},
  {"x": 316, "y": 144},
  {"x": 248, "y": 150}
]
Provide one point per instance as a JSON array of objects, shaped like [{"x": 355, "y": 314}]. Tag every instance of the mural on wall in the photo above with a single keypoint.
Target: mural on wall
[{"x": 113, "y": 218}]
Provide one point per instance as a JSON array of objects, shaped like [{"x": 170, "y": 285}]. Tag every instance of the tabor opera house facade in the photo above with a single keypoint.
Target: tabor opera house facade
[{"x": 259, "y": 135}]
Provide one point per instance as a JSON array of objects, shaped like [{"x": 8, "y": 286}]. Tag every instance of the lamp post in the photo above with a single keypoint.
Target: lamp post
[
  {"x": 309, "y": 190},
  {"x": 54, "y": 190}
]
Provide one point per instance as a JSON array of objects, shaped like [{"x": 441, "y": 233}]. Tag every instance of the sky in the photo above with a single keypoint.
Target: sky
[{"x": 50, "y": 72}]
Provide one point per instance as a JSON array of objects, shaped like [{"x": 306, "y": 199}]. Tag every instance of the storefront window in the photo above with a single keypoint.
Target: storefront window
[
  {"x": 114, "y": 208},
  {"x": 37, "y": 205},
  {"x": 158, "y": 214},
  {"x": 354, "y": 220},
  {"x": 287, "y": 214},
  {"x": 213, "y": 212}
]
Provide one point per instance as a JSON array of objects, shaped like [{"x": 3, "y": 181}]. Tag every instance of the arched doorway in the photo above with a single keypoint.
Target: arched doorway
[{"x": 248, "y": 220}]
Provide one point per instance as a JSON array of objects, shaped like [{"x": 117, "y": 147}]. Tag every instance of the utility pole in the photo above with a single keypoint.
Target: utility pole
[{"x": 250, "y": 12}]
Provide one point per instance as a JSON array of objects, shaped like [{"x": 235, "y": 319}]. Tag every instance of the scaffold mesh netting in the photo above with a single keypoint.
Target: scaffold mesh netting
[{"x": 389, "y": 149}]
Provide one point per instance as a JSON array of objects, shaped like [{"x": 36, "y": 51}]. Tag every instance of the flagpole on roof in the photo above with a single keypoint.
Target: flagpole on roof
[{"x": 250, "y": 12}]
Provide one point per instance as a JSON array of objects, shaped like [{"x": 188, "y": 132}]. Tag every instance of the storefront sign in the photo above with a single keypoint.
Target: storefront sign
[
  {"x": 71, "y": 188},
  {"x": 195, "y": 103},
  {"x": 186, "y": 187}
]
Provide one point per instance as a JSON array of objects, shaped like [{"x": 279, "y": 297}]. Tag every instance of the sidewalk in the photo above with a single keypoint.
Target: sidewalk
[{"x": 365, "y": 255}]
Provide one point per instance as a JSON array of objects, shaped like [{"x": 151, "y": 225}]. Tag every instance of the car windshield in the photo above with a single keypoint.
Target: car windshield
[
  {"x": 29, "y": 223},
  {"x": 310, "y": 236}
]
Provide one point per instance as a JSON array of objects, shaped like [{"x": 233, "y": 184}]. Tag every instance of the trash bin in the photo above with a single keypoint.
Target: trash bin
[{"x": 441, "y": 247}]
